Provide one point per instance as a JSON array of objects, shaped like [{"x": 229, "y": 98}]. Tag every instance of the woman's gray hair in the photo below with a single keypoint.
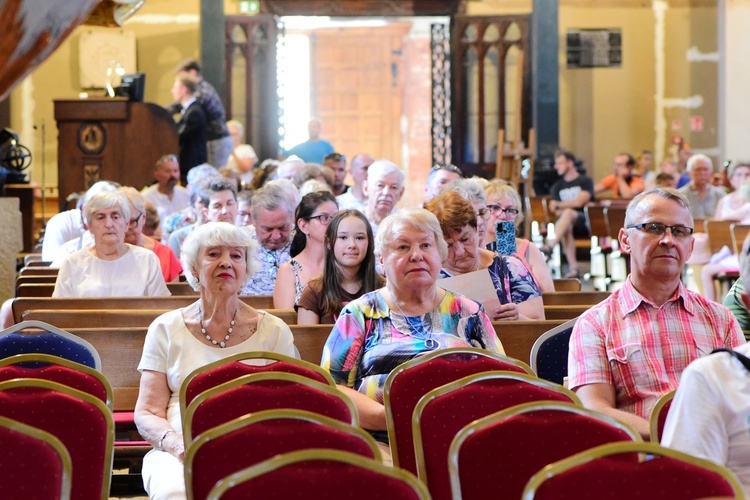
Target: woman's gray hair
[
  {"x": 469, "y": 189},
  {"x": 661, "y": 192},
  {"x": 415, "y": 218},
  {"x": 277, "y": 194},
  {"x": 108, "y": 199},
  {"x": 214, "y": 234},
  {"x": 135, "y": 198}
]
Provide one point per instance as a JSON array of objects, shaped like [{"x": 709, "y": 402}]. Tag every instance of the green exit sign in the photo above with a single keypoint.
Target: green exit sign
[{"x": 249, "y": 6}]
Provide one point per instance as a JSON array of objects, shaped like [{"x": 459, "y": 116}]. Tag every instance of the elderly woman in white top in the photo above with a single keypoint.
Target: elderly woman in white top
[
  {"x": 218, "y": 258},
  {"x": 111, "y": 267}
]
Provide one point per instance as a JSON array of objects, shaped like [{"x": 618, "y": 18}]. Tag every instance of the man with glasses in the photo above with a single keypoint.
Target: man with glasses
[
  {"x": 439, "y": 176},
  {"x": 630, "y": 349},
  {"x": 166, "y": 196},
  {"x": 355, "y": 198},
  {"x": 273, "y": 215}
]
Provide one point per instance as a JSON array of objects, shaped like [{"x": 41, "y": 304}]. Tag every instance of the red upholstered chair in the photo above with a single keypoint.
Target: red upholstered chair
[
  {"x": 495, "y": 456},
  {"x": 246, "y": 363},
  {"x": 415, "y": 378},
  {"x": 624, "y": 471},
  {"x": 444, "y": 411},
  {"x": 659, "y": 416},
  {"x": 264, "y": 391},
  {"x": 60, "y": 370},
  {"x": 80, "y": 421},
  {"x": 251, "y": 439},
  {"x": 34, "y": 463},
  {"x": 316, "y": 473}
]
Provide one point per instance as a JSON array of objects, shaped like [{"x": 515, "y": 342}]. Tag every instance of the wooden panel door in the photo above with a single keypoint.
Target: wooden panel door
[{"x": 357, "y": 88}]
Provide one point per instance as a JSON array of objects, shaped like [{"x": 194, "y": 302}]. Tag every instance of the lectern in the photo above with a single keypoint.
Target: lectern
[{"x": 110, "y": 139}]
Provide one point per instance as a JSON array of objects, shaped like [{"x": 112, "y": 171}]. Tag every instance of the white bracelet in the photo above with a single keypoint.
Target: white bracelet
[{"x": 160, "y": 443}]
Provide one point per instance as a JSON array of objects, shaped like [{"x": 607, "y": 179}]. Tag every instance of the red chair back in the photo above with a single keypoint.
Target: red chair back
[
  {"x": 442, "y": 412},
  {"x": 227, "y": 369},
  {"x": 81, "y": 422},
  {"x": 55, "y": 369},
  {"x": 34, "y": 463},
  {"x": 330, "y": 474},
  {"x": 533, "y": 436},
  {"x": 264, "y": 391},
  {"x": 252, "y": 439},
  {"x": 412, "y": 380},
  {"x": 623, "y": 471}
]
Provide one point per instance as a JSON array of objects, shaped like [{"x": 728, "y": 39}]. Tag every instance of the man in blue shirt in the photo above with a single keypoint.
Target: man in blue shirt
[{"x": 314, "y": 149}]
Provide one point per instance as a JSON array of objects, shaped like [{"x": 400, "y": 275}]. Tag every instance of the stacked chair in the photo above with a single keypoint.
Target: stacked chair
[{"x": 261, "y": 419}]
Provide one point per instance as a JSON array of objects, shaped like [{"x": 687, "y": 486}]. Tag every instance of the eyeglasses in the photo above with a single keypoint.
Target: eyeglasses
[
  {"x": 324, "y": 219},
  {"x": 334, "y": 157},
  {"x": 497, "y": 210},
  {"x": 658, "y": 229},
  {"x": 484, "y": 213},
  {"x": 449, "y": 168},
  {"x": 134, "y": 222},
  {"x": 167, "y": 159}
]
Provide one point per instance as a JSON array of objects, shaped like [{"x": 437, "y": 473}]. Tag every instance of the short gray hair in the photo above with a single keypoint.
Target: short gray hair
[
  {"x": 96, "y": 188},
  {"x": 273, "y": 196},
  {"x": 200, "y": 172},
  {"x": 108, "y": 199},
  {"x": 380, "y": 168},
  {"x": 135, "y": 198},
  {"x": 661, "y": 192},
  {"x": 697, "y": 157},
  {"x": 214, "y": 234},
  {"x": 469, "y": 189},
  {"x": 216, "y": 185},
  {"x": 415, "y": 218}
]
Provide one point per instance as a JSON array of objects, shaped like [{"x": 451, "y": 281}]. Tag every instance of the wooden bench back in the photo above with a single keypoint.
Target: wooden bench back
[
  {"x": 133, "y": 318},
  {"x": 23, "y": 304},
  {"x": 567, "y": 284},
  {"x": 573, "y": 298},
  {"x": 45, "y": 287}
]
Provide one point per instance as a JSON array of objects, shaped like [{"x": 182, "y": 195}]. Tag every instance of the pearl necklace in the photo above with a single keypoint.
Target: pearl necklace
[{"x": 222, "y": 343}]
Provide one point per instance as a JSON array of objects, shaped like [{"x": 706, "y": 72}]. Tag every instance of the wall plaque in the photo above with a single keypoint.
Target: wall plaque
[{"x": 594, "y": 48}]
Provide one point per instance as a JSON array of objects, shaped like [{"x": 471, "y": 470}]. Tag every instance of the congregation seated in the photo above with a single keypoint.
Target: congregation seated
[
  {"x": 518, "y": 295},
  {"x": 410, "y": 316},
  {"x": 348, "y": 270},
  {"x": 218, "y": 258}
]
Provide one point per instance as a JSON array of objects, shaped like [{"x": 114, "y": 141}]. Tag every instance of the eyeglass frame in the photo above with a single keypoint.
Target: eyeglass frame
[
  {"x": 506, "y": 211},
  {"x": 449, "y": 167},
  {"x": 133, "y": 223},
  {"x": 484, "y": 213},
  {"x": 642, "y": 227},
  {"x": 320, "y": 218}
]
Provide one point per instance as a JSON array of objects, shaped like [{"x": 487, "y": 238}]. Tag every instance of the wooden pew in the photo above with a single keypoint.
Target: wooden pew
[
  {"x": 573, "y": 298},
  {"x": 42, "y": 288},
  {"x": 565, "y": 312},
  {"x": 99, "y": 318},
  {"x": 567, "y": 284},
  {"x": 23, "y": 304}
]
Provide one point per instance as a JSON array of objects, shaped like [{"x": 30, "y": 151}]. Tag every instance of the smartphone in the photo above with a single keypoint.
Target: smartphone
[{"x": 505, "y": 237}]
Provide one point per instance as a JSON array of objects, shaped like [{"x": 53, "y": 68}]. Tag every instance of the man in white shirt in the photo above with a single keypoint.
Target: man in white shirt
[
  {"x": 166, "y": 195},
  {"x": 384, "y": 188},
  {"x": 355, "y": 198}
]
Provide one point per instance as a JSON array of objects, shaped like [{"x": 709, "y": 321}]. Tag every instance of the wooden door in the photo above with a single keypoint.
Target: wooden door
[{"x": 357, "y": 88}]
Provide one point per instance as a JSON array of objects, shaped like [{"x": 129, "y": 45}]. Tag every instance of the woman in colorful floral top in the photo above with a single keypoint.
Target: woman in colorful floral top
[
  {"x": 517, "y": 291},
  {"x": 410, "y": 316}
]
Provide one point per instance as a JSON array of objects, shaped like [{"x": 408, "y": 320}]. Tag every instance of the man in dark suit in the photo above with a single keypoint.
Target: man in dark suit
[{"x": 191, "y": 126}]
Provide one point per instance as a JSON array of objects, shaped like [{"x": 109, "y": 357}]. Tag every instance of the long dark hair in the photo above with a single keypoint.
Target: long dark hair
[
  {"x": 331, "y": 277},
  {"x": 307, "y": 206}
]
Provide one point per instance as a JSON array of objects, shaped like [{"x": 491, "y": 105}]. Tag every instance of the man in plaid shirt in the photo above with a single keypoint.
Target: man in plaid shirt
[{"x": 631, "y": 348}]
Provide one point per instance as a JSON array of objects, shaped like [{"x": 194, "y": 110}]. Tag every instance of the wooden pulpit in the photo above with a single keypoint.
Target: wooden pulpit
[{"x": 110, "y": 139}]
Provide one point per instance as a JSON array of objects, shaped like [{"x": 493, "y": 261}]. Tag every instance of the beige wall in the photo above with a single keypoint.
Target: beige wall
[{"x": 167, "y": 32}]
